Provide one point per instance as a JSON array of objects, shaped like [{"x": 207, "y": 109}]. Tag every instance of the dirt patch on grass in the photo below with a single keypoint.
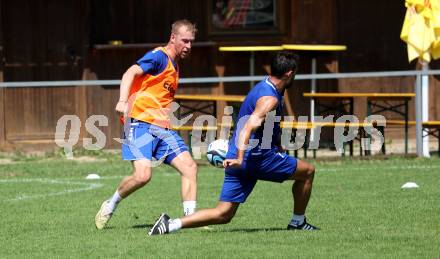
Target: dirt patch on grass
[
  {"x": 6, "y": 161},
  {"x": 88, "y": 159}
]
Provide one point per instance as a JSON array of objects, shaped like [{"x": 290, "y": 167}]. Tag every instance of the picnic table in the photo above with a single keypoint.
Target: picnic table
[{"x": 377, "y": 103}]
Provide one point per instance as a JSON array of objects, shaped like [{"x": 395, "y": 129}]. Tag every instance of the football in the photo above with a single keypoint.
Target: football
[{"x": 216, "y": 152}]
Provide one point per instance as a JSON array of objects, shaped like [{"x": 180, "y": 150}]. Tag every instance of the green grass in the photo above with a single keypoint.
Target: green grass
[{"x": 48, "y": 208}]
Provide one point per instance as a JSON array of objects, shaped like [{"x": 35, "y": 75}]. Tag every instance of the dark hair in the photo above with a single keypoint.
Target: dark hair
[{"x": 283, "y": 62}]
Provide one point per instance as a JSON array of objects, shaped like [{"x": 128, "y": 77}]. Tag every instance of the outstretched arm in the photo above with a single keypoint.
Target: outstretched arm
[{"x": 264, "y": 105}]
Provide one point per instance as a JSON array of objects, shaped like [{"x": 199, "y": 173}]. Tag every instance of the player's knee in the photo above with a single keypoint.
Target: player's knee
[
  {"x": 191, "y": 169},
  {"x": 305, "y": 172},
  {"x": 143, "y": 179},
  {"x": 142, "y": 176},
  {"x": 225, "y": 216},
  {"x": 310, "y": 171}
]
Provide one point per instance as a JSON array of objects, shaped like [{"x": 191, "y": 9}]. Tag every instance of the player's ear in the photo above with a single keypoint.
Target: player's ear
[
  {"x": 173, "y": 38},
  {"x": 289, "y": 74}
]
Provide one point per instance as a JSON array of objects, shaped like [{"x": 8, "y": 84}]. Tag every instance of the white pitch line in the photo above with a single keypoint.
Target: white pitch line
[
  {"x": 321, "y": 168},
  {"x": 411, "y": 167},
  {"x": 92, "y": 186},
  {"x": 89, "y": 186}
]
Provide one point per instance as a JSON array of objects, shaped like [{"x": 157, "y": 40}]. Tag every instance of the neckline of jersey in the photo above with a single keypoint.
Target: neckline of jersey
[
  {"x": 272, "y": 85},
  {"x": 176, "y": 67}
]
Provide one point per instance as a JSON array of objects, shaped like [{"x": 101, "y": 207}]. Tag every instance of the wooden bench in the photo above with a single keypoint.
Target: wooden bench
[
  {"x": 362, "y": 134},
  {"x": 188, "y": 128},
  {"x": 307, "y": 126},
  {"x": 346, "y": 125},
  {"x": 377, "y": 103},
  {"x": 431, "y": 128},
  {"x": 206, "y": 104},
  {"x": 206, "y": 97}
]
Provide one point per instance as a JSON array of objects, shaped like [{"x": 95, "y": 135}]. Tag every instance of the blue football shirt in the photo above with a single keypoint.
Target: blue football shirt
[
  {"x": 154, "y": 62},
  {"x": 263, "y": 88}
]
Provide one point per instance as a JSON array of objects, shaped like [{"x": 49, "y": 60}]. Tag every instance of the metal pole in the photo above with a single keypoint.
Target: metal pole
[
  {"x": 312, "y": 101},
  {"x": 419, "y": 130},
  {"x": 425, "y": 106}
]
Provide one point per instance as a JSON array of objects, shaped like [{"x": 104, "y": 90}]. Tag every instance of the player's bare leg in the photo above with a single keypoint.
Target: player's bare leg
[
  {"x": 301, "y": 191},
  {"x": 222, "y": 214},
  {"x": 187, "y": 168},
  {"x": 141, "y": 176}
]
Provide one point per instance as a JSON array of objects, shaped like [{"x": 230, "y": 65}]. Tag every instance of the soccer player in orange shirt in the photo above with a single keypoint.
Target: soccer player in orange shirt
[{"x": 146, "y": 92}]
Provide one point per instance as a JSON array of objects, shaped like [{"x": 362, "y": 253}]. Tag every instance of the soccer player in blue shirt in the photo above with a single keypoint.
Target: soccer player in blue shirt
[{"x": 245, "y": 166}]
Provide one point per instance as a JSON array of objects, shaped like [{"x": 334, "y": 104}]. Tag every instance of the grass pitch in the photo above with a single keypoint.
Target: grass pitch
[{"x": 48, "y": 208}]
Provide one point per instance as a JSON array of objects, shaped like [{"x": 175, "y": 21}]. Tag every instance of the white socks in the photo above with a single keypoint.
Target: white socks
[
  {"x": 174, "y": 225},
  {"x": 189, "y": 207},
  {"x": 113, "y": 202},
  {"x": 297, "y": 220}
]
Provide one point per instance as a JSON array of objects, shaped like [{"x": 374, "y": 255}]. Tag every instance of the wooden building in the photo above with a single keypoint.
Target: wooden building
[{"x": 75, "y": 39}]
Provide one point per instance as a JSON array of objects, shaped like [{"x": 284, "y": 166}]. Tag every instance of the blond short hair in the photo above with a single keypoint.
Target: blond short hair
[{"x": 179, "y": 23}]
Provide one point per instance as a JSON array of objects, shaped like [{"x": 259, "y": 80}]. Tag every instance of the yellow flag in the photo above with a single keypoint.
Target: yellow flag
[{"x": 421, "y": 29}]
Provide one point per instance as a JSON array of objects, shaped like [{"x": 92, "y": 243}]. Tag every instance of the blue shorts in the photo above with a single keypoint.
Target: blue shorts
[
  {"x": 271, "y": 166},
  {"x": 143, "y": 140}
]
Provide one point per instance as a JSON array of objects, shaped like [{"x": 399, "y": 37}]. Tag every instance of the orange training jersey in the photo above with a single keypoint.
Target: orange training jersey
[{"x": 151, "y": 95}]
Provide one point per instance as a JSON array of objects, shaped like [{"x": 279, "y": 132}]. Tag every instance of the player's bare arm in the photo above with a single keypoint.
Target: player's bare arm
[
  {"x": 126, "y": 82},
  {"x": 264, "y": 105},
  {"x": 279, "y": 145}
]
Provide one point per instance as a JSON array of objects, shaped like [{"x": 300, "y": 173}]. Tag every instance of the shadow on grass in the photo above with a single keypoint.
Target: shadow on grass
[
  {"x": 143, "y": 226},
  {"x": 251, "y": 230},
  {"x": 109, "y": 227},
  {"x": 245, "y": 230}
]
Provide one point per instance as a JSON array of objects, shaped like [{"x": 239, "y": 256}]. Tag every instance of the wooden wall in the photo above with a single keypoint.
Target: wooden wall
[
  {"x": 68, "y": 40},
  {"x": 374, "y": 45},
  {"x": 313, "y": 22},
  {"x": 42, "y": 40},
  {"x": 139, "y": 21}
]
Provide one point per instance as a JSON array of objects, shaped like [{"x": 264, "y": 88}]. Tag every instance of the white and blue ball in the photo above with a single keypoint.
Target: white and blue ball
[{"x": 216, "y": 152}]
